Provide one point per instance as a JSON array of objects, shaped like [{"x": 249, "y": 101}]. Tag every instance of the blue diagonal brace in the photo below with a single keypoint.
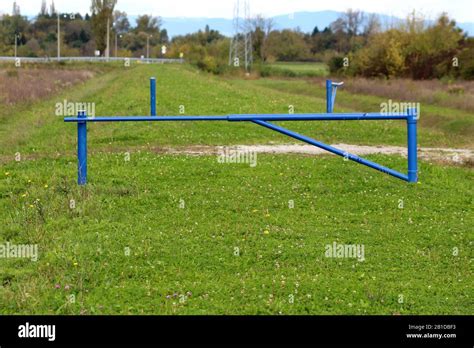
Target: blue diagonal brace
[{"x": 331, "y": 149}]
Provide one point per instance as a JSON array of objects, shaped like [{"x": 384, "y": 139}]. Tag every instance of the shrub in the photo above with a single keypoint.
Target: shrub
[
  {"x": 208, "y": 64},
  {"x": 336, "y": 64}
]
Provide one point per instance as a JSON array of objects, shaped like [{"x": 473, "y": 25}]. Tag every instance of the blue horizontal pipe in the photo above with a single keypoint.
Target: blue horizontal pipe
[
  {"x": 147, "y": 118},
  {"x": 333, "y": 150},
  {"x": 319, "y": 117},
  {"x": 249, "y": 117}
]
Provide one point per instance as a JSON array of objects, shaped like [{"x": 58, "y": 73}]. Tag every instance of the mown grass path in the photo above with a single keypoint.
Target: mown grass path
[{"x": 176, "y": 234}]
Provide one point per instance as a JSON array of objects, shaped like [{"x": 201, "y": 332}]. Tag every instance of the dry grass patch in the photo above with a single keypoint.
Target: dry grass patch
[
  {"x": 458, "y": 95},
  {"x": 29, "y": 84}
]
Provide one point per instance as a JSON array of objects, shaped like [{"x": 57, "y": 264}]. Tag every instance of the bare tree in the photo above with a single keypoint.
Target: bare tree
[
  {"x": 353, "y": 20},
  {"x": 44, "y": 9},
  {"x": 52, "y": 9},
  {"x": 373, "y": 25},
  {"x": 260, "y": 28},
  {"x": 16, "y": 9},
  {"x": 338, "y": 26}
]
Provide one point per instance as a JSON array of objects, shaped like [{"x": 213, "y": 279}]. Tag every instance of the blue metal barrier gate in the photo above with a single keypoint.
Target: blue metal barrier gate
[{"x": 263, "y": 120}]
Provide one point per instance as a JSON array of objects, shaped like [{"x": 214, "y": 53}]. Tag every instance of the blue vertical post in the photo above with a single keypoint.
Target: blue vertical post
[
  {"x": 82, "y": 149},
  {"x": 329, "y": 96},
  {"x": 152, "y": 96},
  {"x": 412, "y": 145}
]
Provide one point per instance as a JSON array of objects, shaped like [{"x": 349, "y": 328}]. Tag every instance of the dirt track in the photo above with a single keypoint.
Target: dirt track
[{"x": 455, "y": 156}]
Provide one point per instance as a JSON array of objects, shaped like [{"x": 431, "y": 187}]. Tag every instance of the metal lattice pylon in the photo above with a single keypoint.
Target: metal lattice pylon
[{"x": 241, "y": 41}]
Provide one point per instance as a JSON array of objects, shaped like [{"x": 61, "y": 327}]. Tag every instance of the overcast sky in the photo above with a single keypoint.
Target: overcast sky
[{"x": 461, "y": 10}]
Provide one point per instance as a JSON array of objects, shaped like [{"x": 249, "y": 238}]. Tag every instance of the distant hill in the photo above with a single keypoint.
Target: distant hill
[{"x": 306, "y": 21}]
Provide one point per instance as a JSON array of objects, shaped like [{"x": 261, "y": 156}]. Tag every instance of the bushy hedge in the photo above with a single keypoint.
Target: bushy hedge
[{"x": 413, "y": 51}]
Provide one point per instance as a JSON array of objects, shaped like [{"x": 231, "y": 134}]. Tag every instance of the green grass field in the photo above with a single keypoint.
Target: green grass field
[
  {"x": 298, "y": 69},
  {"x": 300, "y": 66},
  {"x": 177, "y": 234}
]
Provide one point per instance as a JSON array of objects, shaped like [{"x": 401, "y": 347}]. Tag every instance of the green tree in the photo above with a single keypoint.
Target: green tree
[
  {"x": 288, "y": 45},
  {"x": 148, "y": 24},
  {"x": 383, "y": 56},
  {"x": 11, "y": 26},
  {"x": 465, "y": 68},
  {"x": 121, "y": 22},
  {"x": 260, "y": 28},
  {"x": 429, "y": 51},
  {"x": 101, "y": 17}
]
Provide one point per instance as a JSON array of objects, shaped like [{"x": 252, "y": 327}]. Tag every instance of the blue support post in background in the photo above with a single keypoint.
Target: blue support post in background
[
  {"x": 412, "y": 145},
  {"x": 82, "y": 149},
  {"x": 152, "y": 96},
  {"x": 329, "y": 106},
  {"x": 331, "y": 92}
]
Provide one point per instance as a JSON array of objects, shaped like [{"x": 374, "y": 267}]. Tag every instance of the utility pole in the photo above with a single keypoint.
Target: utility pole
[
  {"x": 107, "y": 50},
  {"x": 148, "y": 46},
  {"x": 59, "y": 39},
  {"x": 16, "y": 43},
  {"x": 116, "y": 41}
]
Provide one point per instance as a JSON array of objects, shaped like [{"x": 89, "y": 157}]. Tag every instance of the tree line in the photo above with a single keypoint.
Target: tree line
[
  {"x": 355, "y": 44},
  {"x": 80, "y": 35}
]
